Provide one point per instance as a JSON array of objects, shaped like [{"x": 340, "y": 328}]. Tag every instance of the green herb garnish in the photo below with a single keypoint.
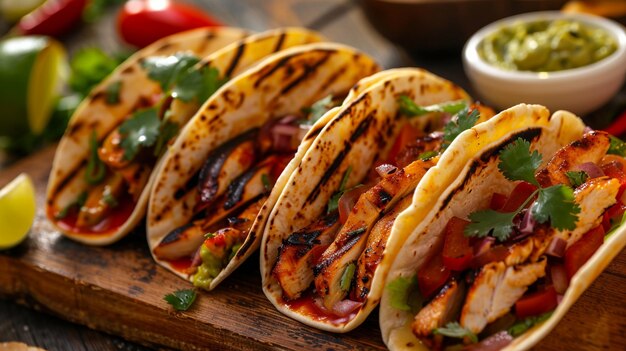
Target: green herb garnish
[
  {"x": 112, "y": 92},
  {"x": 455, "y": 330},
  {"x": 404, "y": 294},
  {"x": 89, "y": 67},
  {"x": 318, "y": 109},
  {"x": 167, "y": 131},
  {"x": 576, "y": 178},
  {"x": 78, "y": 203},
  {"x": 409, "y": 108},
  {"x": 95, "y": 171},
  {"x": 167, "y": 70},
  {"x": 181, "y": 300},
  {"x": 464, "y": 120},
  {"x": 209, "y": 235},
  {"x": 427, "y": 155},
  {"x": 356, "y": 232},
  {"x": 141, "y": 130},
  {"x": 333, "y": 203},
  {"x": 617, "y": 146},
  {"x": 198, "y": 84},
  {"x": 346, "y": 277},
  {"x": 108, "y": 198},
  {"x": 520, "y": 327},
  {"x": 266, "y": 182},
  {"x": 555, "y": 203}
]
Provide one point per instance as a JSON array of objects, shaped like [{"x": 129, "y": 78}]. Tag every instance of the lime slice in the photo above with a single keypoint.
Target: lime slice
[
  {"x": 17, "y": 210},
  {"x": 31, "y": 71},
  {"x": 13, "y": 10}
]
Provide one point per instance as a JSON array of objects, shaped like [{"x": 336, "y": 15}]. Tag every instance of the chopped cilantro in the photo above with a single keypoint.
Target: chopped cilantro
[
  {"x": 167, "y": 131},
  {"x": 346, "y": 277},
  {"x": 113, "y": 92},
  {"x": 409, "y": 108},
  {"x": 181, "y": 300},
  {"x": 96, "y": 170},
  {"x": 318, "y": 109},
  {"x": 89, "y": 66},
  {"x": 464, "y": 120},
  {"x": 141, "y": 130},
  {"x": 78, "y": 203},
  {"x": 198, "y": 84},
  {"x": 266, "y": 182},
  {"x": 517, "y": 163},
  {"x": 108, "y": 198},
  {"x": 520, "y": 327},
  {"x": 577, "y": 178},
  {"x": 427, "y": 155},
  {"x": 404, "y": 294},
  {"x": 333, "y": 203},
  {"x": 209, "y": 235},
  {"x": 617, "y": 147},
  {"x": 555, "y": 204},
  {"x": 455, "y": 330},
  {"x": 356, "y": 232},
  {"x": 167, "y": 70}
]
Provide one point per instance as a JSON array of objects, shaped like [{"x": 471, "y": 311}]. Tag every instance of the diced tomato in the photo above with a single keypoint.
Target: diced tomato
[
  {"x": 280, "y": 165},
  {"x": 536, "y": 303},
  {"x": 316, "y": 253},
  {"x": 495, "y": 254},
  {"x": 613, "y": 213},
  {"x": 217, "y": 240},
  {"x": 582, "y": 250},
  {"x": 432, "y": 276},
  {"x": 520, "y": 193},
  {"x": 497, "y": 201},
  {"x": 457, "y": 251},
  {"x": 612, "y": 169},
  {"x": 408, "y": 134},
  {"x": 348, "y": 200}
]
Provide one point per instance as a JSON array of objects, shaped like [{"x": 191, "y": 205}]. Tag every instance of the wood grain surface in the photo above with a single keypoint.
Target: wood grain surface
[{"x": 119, "y": 289}]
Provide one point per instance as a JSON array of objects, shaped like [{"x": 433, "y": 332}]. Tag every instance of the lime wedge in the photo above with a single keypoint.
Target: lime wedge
[
  {"x": 13, "y": 10},
  {"x": 31, "y": 71},
  {"x": 17, "y": 210}
]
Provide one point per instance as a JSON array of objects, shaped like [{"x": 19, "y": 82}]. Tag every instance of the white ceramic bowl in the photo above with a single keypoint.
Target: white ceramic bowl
[{"x": 579, "y": 90}]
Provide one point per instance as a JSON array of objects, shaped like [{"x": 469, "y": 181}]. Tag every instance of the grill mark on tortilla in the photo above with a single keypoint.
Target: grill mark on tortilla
[
  {"x": 235, "y": 60},
  {"x": 360, "y": 129},
  {"x": 70, "y": 175},
  {"x": 280, "y": 42},
  {"x": 271, "y": 71},
  {"x": 308, "y": 70},
  {"x": 333, "y": 77},
  {"x": 207, "y": 39},
  {"x": 528, "y": 134}
]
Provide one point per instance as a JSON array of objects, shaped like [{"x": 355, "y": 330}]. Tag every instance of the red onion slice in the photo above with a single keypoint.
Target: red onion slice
[
  {"x": 556, "y": 248},
  {"x": 385, "y": 170},
  {"x": 559, "y": 278},
  {"x": 592, "y": 170},
  {"x": 528, "y": 223},
  {"x": 345, "y": 307},
  {"x": 494, "y": 342}
]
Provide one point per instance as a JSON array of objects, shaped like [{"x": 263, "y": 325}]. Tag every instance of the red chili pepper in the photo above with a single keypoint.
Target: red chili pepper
[
  {"x": 142, "y": 22},
  {"x": 53, "y": 18},
  {"x": 618, "y": 126}
]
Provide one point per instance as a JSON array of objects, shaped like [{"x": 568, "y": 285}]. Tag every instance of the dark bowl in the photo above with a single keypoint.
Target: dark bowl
[{"x": 442, "y": 26}]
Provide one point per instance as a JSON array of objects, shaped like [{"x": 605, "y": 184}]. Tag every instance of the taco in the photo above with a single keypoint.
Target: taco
[
  {"x": 222, "y": 176},
  {"x": 515, "y": 211},
  {"x": 104, "y": 165},
  {"x": 322, "y": 243}
]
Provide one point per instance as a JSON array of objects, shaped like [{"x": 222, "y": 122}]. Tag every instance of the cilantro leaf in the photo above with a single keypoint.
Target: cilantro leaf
[
  {"x": 167, "y": 131},
  {"x": 181, "y": 300},
  {"x": 198, "y": 84},
  {"x": 557, "y": 205},
  {"x": 89, "y": 67},
  {"x": 167, "y": 70},
  {"x": 517, "y": 163},
  {"x": 346, "y": 277},
  {"x": 95, "y": 171},
  {"x": 464, "y": 120},
  {"x": 520, "y": 327},
  {"x": 455, "y": 330},
  {"x": 113, "y": 93},
  {"x": 318, "y": 109},
  {"x": 404, "y": 294},
  {"x": 209, "y": 235},
  {"x": 265, "y": 179},
  {"x": 333, "y": 203},
  {"x": 141, "y": 130},
  {"x": 490, "y": 221},
  {"x": 427, "y": 155},
  {"x": 409, "y": 108},
  {"x": 576, "y": 178},
  {"x": 617, "y": 147}
]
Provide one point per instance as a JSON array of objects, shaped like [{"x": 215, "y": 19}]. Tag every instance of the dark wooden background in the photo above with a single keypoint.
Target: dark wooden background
[{"x": 341, "y": 21}]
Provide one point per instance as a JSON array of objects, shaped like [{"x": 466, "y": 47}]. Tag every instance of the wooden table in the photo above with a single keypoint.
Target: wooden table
[{"x": 596, "y": 322}]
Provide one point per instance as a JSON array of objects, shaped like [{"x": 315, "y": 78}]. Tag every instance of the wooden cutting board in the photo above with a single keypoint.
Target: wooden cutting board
[{"x": 119, "y": 290}]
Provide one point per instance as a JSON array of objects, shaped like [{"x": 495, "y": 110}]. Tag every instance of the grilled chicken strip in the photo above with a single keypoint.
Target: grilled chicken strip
[
  {"x": 590, "y": 148},
  {"x": 351, "y": 240},
  {"x": 184, "y": 241},
  {"x": 299, "y": 252},
  {"x": 100, "y": 200},
  {"x": 495, "y": 290},
  {"x": 444, "y": 308},
  {"x": 373, "y": 253}
]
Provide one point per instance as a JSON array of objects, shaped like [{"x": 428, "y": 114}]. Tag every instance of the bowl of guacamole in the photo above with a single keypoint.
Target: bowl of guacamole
[{"x": 564, "y": 61}]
